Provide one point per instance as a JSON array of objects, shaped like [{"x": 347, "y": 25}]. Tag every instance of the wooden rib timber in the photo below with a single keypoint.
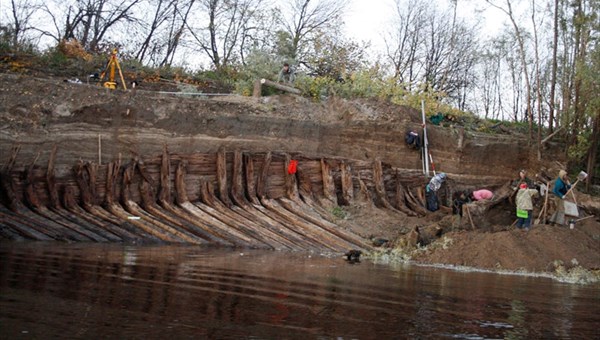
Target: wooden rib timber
[{"x": 233, "y": 199}]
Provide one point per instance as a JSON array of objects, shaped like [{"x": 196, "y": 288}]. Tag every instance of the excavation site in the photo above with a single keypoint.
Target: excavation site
[{"x": 85, "y": 164}]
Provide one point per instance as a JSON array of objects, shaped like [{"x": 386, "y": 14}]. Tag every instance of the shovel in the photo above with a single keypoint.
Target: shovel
[{"x": 581, "y": 177}]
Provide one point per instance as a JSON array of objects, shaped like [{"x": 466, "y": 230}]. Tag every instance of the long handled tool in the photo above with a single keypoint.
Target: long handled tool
[
  {"x": 580, "y": 177},
  {"x": 544, "y": 211}
]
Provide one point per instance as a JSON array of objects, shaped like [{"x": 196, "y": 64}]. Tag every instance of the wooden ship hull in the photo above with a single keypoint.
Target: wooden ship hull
[{"x": 237, "y": 199}]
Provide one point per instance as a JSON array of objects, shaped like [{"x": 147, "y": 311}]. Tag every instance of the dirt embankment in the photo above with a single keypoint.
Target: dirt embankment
[{"x": 83, "y": 119}]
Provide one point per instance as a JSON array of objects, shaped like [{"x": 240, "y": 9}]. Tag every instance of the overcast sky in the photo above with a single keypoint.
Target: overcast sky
[{"x": 366, "y": 20}]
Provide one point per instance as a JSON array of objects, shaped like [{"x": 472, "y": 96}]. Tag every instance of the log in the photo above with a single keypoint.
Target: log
[{"x": 280, "y": 86}]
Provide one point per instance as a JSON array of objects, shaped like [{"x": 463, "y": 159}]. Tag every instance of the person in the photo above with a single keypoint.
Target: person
[
  {"x": 525, "y": 206},
  {"x": 413, "y": 139},
  {"x": 459, "y": 198},
  {"x": 561, "y": 187},
  {"x": 286, "y": 75},
  {"x": 522, "y": 179},
  {"x": 482, "y": 194},
  {"x": 431, "y": 191}
]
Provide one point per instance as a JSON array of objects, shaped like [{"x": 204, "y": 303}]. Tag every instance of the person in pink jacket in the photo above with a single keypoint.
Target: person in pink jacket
[{"x": 483, "y": 194}]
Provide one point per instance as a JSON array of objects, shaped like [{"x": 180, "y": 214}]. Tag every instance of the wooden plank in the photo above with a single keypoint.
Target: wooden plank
[{"x": 222, "y": 177}]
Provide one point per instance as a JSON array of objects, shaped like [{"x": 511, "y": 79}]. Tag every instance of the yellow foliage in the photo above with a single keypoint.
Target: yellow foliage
[{"x": 72, "y": 49}]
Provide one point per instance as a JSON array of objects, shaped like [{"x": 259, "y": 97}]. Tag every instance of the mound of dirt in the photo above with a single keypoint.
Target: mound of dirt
[{"x": 542, "y": 249}]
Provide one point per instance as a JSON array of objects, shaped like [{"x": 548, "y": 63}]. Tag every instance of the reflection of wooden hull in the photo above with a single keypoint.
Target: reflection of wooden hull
[{"x": 227, "y": 198}]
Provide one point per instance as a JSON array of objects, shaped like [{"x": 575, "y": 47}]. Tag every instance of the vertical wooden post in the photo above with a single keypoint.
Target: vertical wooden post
[
  {"x": 99, "y": 149},
  {"x": 328, "y": 185},
  {"x": 180, "y": 187},
  {"x": 380, "y": 184},
  {"x": 261, "y": 185},
  {"x": 250, "y": 182},
  {"x": 165, "y": 173},
  {"x": 51, "y": 180},
  {"x": 222, "y": 177},
  {"x": 347, "y": 185},
  {"x": 291, "y": 188},
  {"x": 237, "y": 178}
]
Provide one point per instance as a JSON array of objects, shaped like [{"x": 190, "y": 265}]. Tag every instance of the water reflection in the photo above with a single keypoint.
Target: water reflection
[{"x": 109, "y": 291}]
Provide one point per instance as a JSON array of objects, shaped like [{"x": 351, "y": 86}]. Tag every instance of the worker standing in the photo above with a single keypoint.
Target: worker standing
[
  {"x": 431, "y": 191},
  {"x": 525, "y": 206},
  {"x": 561, "y": 187}
]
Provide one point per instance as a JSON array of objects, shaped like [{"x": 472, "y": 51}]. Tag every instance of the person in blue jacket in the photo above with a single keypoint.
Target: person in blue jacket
[{"x": 561, "y": 187}]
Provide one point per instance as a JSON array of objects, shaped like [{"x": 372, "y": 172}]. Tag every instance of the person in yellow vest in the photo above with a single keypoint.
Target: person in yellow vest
[{"x": 525, "y": 206}]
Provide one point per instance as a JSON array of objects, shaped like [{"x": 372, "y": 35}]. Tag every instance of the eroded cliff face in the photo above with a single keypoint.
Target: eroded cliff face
[{"x": 90, "y": 123}]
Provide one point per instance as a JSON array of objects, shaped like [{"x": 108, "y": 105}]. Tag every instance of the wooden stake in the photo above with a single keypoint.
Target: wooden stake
[
  {"x": 469, "y": 215},
  {"x": 99, "y": 149}
]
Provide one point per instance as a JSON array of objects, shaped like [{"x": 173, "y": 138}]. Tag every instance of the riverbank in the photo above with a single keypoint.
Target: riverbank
[{"x": 360, "y": 138}]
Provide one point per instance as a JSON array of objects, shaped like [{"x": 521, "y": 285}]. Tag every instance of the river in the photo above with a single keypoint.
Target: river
[{"x": 53, "y": 290}]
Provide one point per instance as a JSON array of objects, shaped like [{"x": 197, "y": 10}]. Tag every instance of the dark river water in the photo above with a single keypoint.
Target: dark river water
[{"x": 124, "y": 292}]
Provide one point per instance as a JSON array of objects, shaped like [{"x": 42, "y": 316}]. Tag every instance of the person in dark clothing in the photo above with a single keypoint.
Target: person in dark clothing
[
  {"x": 286, "y": 75},
  {"x": 431, "y": 191},
  {"x": 413, "y": 139},
  {"x": 458, "y": 199},
  {"x": 561, "y": 187}
]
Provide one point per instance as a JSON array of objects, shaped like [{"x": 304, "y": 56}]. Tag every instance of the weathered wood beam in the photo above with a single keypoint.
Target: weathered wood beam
[
  {"x": 280, "y": 86},
  {"x": 250, "y": 182},
  {"x": 261, "y": 184},
  {"x": 328, "y": 184},
  {"x": 222, "y": 177},
  {"x": 347, "y": 185},
  {"x": 291, "y": 187},
  {"x": 51, "y": 180}
]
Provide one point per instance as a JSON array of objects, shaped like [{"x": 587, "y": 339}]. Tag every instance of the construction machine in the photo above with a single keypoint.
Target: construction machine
[{"x": 111, "y": 66}]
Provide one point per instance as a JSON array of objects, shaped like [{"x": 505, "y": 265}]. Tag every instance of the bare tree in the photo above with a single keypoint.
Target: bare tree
[
  {"x": 403, "y": 41},
  {"x": 161, "y": 11},
  {"x": 302, "y": 19},
  {"x": 177, "y": 28},
  {"x": 226, "y": 22},
  {"x": 508, "y": 10},
  {"x": 552, "y": 100},
  {"x": 19, "y": 20}
]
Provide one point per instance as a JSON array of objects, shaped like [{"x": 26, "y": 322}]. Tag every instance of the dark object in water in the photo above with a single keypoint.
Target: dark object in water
[
  {"x": 353, "y": 255},
  {"x": 378, "y": 241}
]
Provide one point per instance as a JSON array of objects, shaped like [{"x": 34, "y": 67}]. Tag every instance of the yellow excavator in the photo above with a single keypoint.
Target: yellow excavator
[{"x": 113, "y": 63}]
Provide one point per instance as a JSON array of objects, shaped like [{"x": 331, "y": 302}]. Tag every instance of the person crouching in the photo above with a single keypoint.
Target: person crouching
[{"x": 524, "y": 206}]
